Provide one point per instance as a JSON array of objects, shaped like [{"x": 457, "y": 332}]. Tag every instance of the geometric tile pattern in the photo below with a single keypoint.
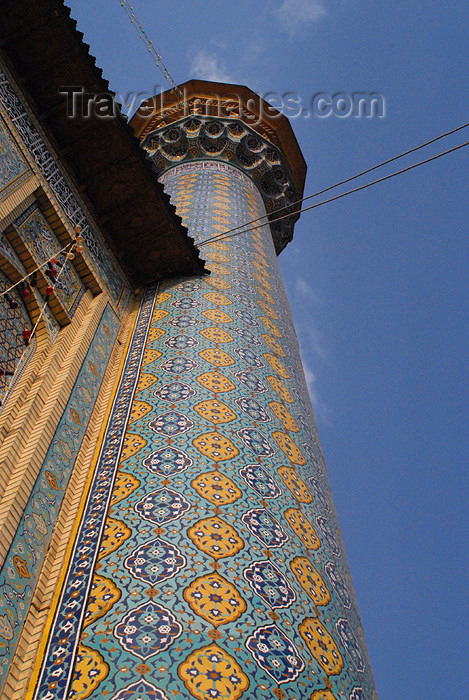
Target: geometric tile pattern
[
  {"x": 224, "y": 572},
  {"x": 14, "y": 170},
  {"x": 42, "y": 245},
  {"x": 12, "y": 323},
  {"x": 22, "y": 565}
]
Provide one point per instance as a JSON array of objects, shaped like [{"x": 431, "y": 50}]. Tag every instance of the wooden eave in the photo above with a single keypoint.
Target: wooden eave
[{"x": 43, "y": 50}]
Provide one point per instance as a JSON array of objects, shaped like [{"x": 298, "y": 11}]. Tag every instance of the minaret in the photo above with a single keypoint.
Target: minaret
[{"x": 221, "y": 572}]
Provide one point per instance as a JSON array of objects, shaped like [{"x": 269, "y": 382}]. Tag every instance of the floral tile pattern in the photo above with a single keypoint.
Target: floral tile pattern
[
  {"x": 14, "y": 170},
  {"x": 218, "y": 532}
]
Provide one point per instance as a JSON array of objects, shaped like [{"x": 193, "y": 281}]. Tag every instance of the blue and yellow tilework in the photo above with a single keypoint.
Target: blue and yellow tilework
[
  {"x": 22, "y": 566},
  {"x": 14, "y": 170},
  {"x": 213, "y": 568},
  {"x": 42, "y": 245}
]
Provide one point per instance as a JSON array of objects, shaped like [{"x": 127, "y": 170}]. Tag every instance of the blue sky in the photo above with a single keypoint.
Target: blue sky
[{"x": 377, "y": 282}]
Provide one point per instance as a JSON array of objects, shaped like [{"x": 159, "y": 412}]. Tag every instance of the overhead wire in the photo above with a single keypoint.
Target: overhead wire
[
  {"x": 39, "y": 267},
  {"x": 18, "y": 364},
  {"x": 234, "y": 232},
  {"x": 353, "y": 177},
  {"x": 157, "y": 58},
  {"x": 71, "y": 247}
]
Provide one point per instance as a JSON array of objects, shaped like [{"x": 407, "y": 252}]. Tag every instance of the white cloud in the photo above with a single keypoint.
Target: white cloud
[
  {"x": 310, "y": 380},
  {"x": 320, "y": 409},
  {"x": 208, "y": 66},
  {"x": 315, "y": 340},
  {"x": 303, "y": 288},
  {"x": 293, "y": 15}
]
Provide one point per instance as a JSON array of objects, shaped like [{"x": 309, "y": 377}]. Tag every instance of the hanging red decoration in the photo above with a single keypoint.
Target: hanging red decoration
[
  {"x": 49, "y": 290},
  {"x": 26, "y": 335},
  {"x": 11, "y": 302}
]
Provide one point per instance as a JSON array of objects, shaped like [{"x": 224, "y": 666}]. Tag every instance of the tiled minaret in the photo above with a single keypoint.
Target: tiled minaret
[{"x": 221, "y": 572}]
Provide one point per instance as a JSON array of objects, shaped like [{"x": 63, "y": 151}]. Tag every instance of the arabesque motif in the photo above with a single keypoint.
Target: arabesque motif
[
  {"x": 229, "y": 585},
  {"x": 215, "y": 599}
]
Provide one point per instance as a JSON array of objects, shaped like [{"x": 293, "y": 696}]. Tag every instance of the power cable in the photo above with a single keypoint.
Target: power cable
[
  {"x": 39, "y": 267},
  {"x": 228, "y": 234},
  {"x": 349, "y": 179}
]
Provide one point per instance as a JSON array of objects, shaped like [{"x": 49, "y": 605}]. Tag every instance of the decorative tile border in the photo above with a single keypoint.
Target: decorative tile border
[
  {"x": 58, "y": 664},
  {"x": 29, "y": 547},
  {"x": 14, "y": 171}
]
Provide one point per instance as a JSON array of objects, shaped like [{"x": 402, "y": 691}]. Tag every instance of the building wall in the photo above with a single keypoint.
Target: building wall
[
  {"x": 52, "y": 411},
  {"x": 214, "y": 567}
]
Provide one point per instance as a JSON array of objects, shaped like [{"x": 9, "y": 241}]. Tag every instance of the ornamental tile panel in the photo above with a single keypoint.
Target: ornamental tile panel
[
  {"x": 42, "y": 245},
  {"x": 215, "y": 569},
  {"x": 276, "y": 365},
  {"x": 14, "y": 170},
  {"x": 270, "y": 584},
  {"x": 275, "y": 653},
  {"x": 265, "y": 527},
  {"x": 303, "y": 528},
  {"x": 162, "y": 506},
  {"x": 274, "y": 346},
  {"x": 296, "y": 485},
  {"x": 284, "y": 416},
  {"x": 217, "y": 298},
  {"x": 147, "y": 630},
  {"x": 104, "y": 593},
  {"x": 171, "y": 423},
  {"x": 309, "y": 579},
  {"x": 26, "y": 132},
  {"x": 260, "y": 480},
  {"x": 214, "y": 599},
  {"x": 216, "y": 537},
  {"x": 322, "y": 646},
  {"x": 253, "y": 409},
  {"x": 90, "y": 670},
  {"x": 217, "y": 316},
  {"x": 216, "y": 382},
  {"x": 23, "y": 563},
  {"x": 155, "y": 562},
  {"x": 216, "y": 488},
  {"x": 212, "y": 673},
  {"x": 216, "y": 357},
  {"x": 167, "y": 461},
  {"x": 215, "y": 446},
  {"x": 140, "y": 690},
  {"x": 216, "y": 335},
  {"x": 281, "y": 389},
  {"x": 215, "y": 411},
  {"x": 175, "y": 392}
]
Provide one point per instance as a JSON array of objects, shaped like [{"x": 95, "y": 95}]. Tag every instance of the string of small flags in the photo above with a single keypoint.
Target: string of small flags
[
  {"x": 53, "y": 272},
  {"x": 151, "y": 49}
]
